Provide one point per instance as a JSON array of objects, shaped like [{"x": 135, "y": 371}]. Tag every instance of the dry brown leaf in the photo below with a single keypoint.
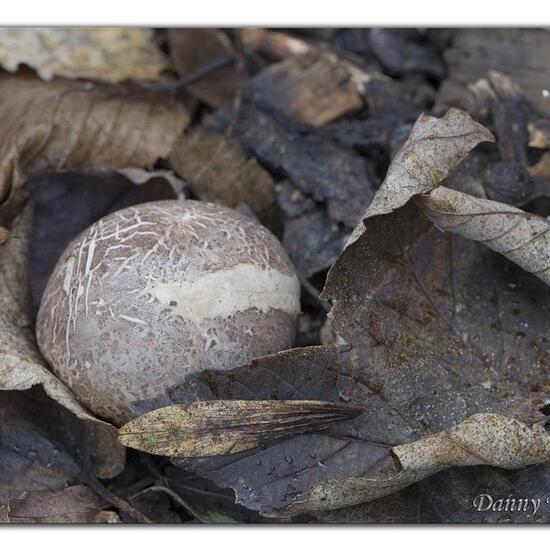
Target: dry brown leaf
[
  {"x": 75, "y": 504},
  {"x": 193, "y": 49},
  {"x": 522, "y": 237},
  {"x": 211, "y": 428},
  {"x": 432, "y": 149},
  {"x": 63, "y": 124},
  {"x": 218, "y": 170},
  {"x": 316, "y": 87},
  {"x": 111, "y": 54}
]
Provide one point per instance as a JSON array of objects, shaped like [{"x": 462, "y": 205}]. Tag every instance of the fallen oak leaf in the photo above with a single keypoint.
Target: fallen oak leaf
[
  {"x": 212, "y": 428},
  {"x": 111, "y": 54},
  {"x": 521, "y": 237}
]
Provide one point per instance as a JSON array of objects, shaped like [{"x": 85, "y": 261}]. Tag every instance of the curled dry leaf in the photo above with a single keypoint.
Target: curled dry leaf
[
  {"x": 522, "y": 237},
  {"x": 210, "y": 428},
  {"x": 490, "y": 439},
  {"x": 421, "y": 323},
  {"x": 111, "y": 54},
  {"x": 433, "y": 148}
]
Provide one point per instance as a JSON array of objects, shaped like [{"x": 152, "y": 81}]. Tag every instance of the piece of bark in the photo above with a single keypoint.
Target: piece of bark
[
  {"x": 218, "y": 170},
  {"x": 344, "y": 179},
  {"x": 313, "y": 242},
  {"x": 111, "y": 54},
  {"x": 316, "y": 87},
  {"x": 401, "y": 52},
  {"x": 193, "y": 49}
]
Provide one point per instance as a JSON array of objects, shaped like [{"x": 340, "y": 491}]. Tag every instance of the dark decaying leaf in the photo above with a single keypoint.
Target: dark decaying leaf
[
  {"x": 211, "y": 428},
  {"x": 43, "y": 451},
  {"x": 273, "y": 478},
  {"x": 422, "y": 323}
]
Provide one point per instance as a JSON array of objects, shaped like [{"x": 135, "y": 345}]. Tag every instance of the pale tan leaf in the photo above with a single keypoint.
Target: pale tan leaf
[
  {"x": 111, "y": 54},
  {"x": 273, "y": 44},
  {"x": 434, "y": 147},
  {"x": 490, "y": 439},
  {"x": 138, "y": 176},
  {"x": 211, "y": 428},
  {"x": 521, "y": 237}
]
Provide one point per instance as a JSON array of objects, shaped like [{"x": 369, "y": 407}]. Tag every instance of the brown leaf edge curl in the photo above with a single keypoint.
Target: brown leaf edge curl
[
  {"x": 213, "y": 428},
  {"x": 521, "y": 237}
]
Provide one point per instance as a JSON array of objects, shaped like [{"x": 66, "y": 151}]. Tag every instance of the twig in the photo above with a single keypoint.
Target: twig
[{"x": 120, "y": 503}]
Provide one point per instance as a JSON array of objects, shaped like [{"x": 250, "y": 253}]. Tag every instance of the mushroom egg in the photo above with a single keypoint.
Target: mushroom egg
[{"x": 154, "y": 292}]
